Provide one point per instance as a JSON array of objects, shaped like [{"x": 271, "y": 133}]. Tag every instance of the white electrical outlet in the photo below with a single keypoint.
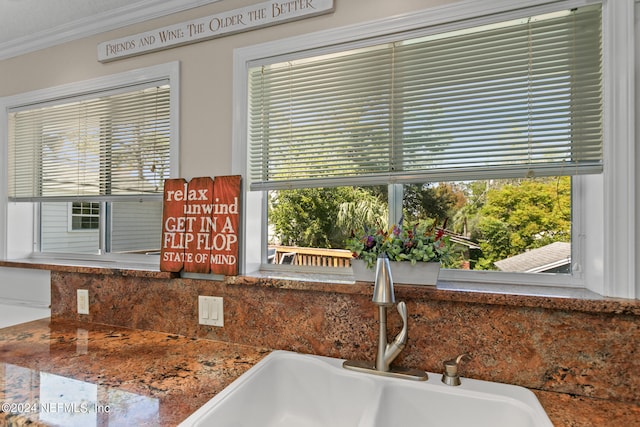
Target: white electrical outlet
[
  {"x": 83, "y": 301},
  {"x": 210, "y": 311}
]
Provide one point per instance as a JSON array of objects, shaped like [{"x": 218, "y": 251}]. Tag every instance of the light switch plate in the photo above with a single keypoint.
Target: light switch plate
[
  {"x": 83, "y": 301},
  {"x": 210, "y": 311}
]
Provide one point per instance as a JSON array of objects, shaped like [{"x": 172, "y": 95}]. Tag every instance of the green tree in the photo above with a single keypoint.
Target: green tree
[
  {"x": 366, "y": 210},
  {"x": 465, "y": 219},
  {"x": 431, "y": 201},
  {"x": 524, "y": 215},
  {"x": 309, "y": 217}
]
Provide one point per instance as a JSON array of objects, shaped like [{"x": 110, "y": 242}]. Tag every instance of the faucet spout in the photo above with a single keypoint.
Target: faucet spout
[
  {"x": 384, "y": 297},
  {"x": 387, "y": 352}
]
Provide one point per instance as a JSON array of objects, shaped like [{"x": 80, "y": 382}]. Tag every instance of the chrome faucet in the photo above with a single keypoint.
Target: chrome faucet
[{"x": 384, "y": 297}]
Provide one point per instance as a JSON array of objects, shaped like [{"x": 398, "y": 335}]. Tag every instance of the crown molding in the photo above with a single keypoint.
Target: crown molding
[{"x": 134, "y": 13}]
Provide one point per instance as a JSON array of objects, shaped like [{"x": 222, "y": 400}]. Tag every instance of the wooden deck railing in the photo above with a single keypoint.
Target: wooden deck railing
[{"x": 311, "y": 256}]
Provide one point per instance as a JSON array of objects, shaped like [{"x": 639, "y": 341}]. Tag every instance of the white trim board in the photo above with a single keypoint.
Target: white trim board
[{"x": 134, "y": 13}]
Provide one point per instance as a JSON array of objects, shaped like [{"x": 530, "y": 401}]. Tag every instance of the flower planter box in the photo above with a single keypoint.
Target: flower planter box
[{"x": 420, "y": 273}]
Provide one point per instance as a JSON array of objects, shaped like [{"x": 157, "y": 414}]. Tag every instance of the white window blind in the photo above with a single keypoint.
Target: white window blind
[
  {"x": 514, "y": 99},
  {"x": 101, "y": 146}
]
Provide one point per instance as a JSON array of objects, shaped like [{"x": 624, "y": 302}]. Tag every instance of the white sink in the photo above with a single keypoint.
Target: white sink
[{"x": 288, "y": 389}]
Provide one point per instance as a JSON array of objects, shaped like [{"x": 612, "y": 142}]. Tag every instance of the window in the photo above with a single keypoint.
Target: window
[
  {"x": 580, "y": 156},
  {"x": 85, "y": 216},
  {"x": 509, "y": 225},
  {"x": 90, "y": 160},
  {"x": 438, "y": 113},
  {"x": 105, "y": 146},
  {"x": 512, "y": 99}
]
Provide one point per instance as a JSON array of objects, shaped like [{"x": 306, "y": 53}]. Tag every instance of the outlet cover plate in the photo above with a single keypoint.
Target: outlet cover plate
[
  {"x": 83, "y": 301},
  {"x": 210, "y": 311}
]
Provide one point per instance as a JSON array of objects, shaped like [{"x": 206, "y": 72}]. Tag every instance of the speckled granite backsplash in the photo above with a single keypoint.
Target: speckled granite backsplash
[{"x": 580, "y": 347}]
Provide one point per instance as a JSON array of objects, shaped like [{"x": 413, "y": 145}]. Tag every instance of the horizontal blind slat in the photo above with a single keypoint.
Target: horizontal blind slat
[
  {"x": 520, "y": 98},
  {"x": 113, "y": 145}
]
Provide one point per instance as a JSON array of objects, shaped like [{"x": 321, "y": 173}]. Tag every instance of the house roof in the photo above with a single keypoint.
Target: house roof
[
  {"x": 460, "y": 239},
  {"x": 537, "y": 260}
]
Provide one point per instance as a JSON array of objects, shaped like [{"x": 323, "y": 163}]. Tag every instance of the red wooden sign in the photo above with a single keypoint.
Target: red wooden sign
[
  {"x": 200, "y": 225},
  {"x": 173, "y": 225},
  {"x": 224, "y": 239},
  {"x": 198, "y": 217}
]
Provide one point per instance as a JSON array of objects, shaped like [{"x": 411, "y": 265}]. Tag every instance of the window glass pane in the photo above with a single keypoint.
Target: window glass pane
[
  {"x": 79, "y": 148},
  {"x": 90, "y": 223},
  {"x": 311, "y": 226},
  {"x": 76, "y": 222},
  {"x": 136, "y": 227},
  {"x": 514, "y": 225},
  {"x": 58, "y": 235}
]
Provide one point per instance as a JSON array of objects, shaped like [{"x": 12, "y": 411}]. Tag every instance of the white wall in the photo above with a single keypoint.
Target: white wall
[{"x": 25, "y": 285}]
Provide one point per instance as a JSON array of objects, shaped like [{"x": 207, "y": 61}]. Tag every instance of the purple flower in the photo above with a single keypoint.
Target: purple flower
[{"x": 370, "y": 242}]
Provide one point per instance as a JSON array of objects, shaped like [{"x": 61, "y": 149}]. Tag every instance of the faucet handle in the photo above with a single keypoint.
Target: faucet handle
[
  {"x": 450, "y": 375},
  {"x": 402, "y": 311},
  {"x": 401, "y": 339}
]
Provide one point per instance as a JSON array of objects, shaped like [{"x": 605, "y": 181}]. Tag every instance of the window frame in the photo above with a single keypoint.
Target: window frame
[
  {"x": 26, "y": 243},
  {"x": 604, "y": 262},
  {"x": 72, "y": 215}
]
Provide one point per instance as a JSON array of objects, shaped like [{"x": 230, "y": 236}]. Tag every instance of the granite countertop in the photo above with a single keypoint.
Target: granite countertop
[
  {"x": 87, "y": 374},
  {"x": 64, "y": 373}
]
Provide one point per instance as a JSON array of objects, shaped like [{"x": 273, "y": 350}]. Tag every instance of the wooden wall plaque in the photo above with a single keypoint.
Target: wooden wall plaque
[
  {"x": 264, "y": 14},
  {"x": 198, "y": 214},
  {"x": 224, "y": 255},
  {"x": 173, "y": 227},
  {"x": 201, "y": 221}
]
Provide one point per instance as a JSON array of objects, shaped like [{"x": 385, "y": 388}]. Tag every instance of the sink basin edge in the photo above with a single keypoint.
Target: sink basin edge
[{"x": 293, "y": 389}]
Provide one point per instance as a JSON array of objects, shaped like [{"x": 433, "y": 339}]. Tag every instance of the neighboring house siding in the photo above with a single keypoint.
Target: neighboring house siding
[
  {"x": 56, "y": 234},
  {"x": 136, "y": 228}
]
